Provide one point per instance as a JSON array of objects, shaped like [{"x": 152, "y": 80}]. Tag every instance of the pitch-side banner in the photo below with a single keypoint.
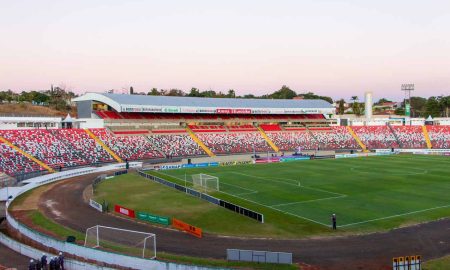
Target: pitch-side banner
[
  {"x": 153, "y": 218},
  {"x": 124, "y": 211},
  {"x": 96, "y": 205},
  {"x": 183, "y": 226}
]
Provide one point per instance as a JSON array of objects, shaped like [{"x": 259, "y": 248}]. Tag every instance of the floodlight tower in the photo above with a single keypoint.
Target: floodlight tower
[{"x": 407, "y": 88}]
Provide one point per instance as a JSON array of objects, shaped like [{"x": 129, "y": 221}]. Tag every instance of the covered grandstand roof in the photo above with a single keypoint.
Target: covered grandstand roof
[{"x": 143, "y": 103}]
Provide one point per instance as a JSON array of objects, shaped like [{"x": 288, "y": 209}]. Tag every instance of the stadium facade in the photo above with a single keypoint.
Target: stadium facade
[{"x": 196, "y": 105}]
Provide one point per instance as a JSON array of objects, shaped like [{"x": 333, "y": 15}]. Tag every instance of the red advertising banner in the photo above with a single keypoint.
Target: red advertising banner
[
  {"x": 124, "y": 211},
  {"x": 180, "y": 225},
  {"x": 234, "y": 111}
]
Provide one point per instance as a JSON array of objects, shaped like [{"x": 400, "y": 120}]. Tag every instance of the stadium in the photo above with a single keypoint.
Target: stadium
[{"x": 159, "y": 182}]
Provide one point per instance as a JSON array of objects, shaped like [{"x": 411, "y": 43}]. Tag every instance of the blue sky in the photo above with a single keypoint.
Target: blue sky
[{"x": 335, "y": 48}]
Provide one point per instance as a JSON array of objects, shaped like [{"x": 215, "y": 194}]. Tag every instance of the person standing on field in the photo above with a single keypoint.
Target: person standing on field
[{"x": 333, "y": 220}]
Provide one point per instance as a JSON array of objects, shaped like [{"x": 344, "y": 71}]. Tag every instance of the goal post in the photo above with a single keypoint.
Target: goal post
[
  {"x": 205, "y": 182},
  {"x": 131, "y": 242}
]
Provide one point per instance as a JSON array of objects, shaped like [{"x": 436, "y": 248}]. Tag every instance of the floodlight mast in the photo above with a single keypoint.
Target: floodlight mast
[{"x": 407, "y": 88}]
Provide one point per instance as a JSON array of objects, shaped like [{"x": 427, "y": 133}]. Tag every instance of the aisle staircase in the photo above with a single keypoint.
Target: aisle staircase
[
  {"x": 357, "y": 139},
  {"x": 42, "y": 164},
  {"x": 107, "y": 149},
  {"x": 268, "y": 140},
  {"x": 427, "y": 137},
  {"x": 154, "y": 146},
  {"x": 199, "y": 142},
  {"x": 395, "y": 135}
]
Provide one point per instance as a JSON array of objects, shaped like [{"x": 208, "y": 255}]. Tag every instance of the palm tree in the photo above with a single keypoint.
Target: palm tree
[
  {"x": 445, "y": 104},
  {"x": 355, "y": 106}
]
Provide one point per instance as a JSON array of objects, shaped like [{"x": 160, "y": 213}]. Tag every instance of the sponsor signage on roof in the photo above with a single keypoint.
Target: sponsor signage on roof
[
  {"x": 234, "y": 111},
  {"x": 214, "y": 110},
  {"x": 171, "y": 110}
]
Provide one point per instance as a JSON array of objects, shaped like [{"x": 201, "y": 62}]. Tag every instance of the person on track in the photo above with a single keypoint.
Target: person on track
[
  {"x": 61, "y": 260},
  {"x": 44, "y": 261},
  {"x": 32, "y": 265},
  {"x": 333, "y": 221}
]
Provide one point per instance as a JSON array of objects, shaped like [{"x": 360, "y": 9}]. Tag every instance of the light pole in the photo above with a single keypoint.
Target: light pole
[{"x": 407, "y": 88}]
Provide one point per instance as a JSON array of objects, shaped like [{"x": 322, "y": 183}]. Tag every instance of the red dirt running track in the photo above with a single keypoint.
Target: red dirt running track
[{"x": 372, "y": 251}]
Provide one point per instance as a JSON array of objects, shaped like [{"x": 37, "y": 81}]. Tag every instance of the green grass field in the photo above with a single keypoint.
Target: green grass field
[
  {"x": 359, "y": 191},
  {"x": 298, "y": 198}
]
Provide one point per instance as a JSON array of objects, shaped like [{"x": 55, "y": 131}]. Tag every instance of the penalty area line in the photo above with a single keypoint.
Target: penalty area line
[
  {"x": 308, "y": 201},
  {"x": 278, "y": 210},
  {"x": 268, "y": 206},
  {"x": 394, "y": 216}
]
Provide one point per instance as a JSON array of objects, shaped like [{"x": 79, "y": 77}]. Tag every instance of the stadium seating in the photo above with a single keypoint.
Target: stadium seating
[
  {"x": 177, "y": 145},
  {"x": 410, "y": 136},
  {"x": 128, "y": 147},
  {"x": 334, "y": 138},
  {"x": 58, "y": 147},
  {"x": 293, "y": 140},
  {"x": 14, "y": 163},
  {"x": 83, "y": 145},
  {"x": 234, "y": 142},
  {"x": 439, "y": 136},
  {"x": 376, "y": 137}
]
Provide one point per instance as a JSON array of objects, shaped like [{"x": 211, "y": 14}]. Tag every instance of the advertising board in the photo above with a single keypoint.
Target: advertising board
[
  {"x": 153, "y": 218},
  {"x": 96, "y": 205},
  {"x": 124, "y": 211},
  {"x": 183, "y": 226}
]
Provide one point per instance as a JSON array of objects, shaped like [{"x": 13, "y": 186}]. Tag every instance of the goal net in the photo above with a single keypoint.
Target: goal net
[
  {"x": 134, "y": 243},
  {"x": 205, "y": 182}
]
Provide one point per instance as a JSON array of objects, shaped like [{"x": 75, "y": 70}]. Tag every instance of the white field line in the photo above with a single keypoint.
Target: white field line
[
  {"x": 394, "y": 216},
  {"x": 357, "y": 170},
  {"x": 298, "y": 183},
  {"x": 278, "y": 210},
  {"x": 268, "y": 206},
  {"x": 247, "y": 193},
  {"x": 309, "y": 201},
  {"x": 250, "y": 190},
  {"x": 174, "y": 177}
]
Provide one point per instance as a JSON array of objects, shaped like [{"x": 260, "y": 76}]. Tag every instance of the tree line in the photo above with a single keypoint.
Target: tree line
[
  {"x": 435, "y": 106},
  {"x": 57, "y": 98},
  {"x": 283, "y": 93}
]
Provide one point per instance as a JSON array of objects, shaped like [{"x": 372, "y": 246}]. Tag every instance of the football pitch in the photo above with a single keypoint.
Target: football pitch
[{"x": 360, "y": 191}]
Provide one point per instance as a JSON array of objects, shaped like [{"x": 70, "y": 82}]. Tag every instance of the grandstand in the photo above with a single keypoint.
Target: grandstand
[{"x": 153, "y": 127}]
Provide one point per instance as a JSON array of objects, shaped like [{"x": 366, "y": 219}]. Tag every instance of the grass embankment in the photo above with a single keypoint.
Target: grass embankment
[
  {"x": 437, "y": 264},
  {"x": 60, "y": 231},
  {"x": 18, "y": 109}
]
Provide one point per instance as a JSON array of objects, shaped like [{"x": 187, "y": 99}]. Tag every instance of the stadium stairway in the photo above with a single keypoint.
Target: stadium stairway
[
  {"x": 312, "y": 135},
  {"x": 42, "y": 164},
  {"x": 268, "y": 140},
  {"x": 199, "y": 142},
  {"x": 154, "y": 146},
  {"x": 427, "y": 137},
  {"x": 395, "y": 135},
  {"x": 357, "y": 139},
  {"x": 107, "y": 149}
]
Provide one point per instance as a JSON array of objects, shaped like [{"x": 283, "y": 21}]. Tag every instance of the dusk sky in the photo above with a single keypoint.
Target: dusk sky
[{"x": 335, "y": 48}]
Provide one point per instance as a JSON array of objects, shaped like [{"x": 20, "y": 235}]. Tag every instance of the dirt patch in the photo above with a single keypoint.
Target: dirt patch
[
  {"x": 88, "y": 193},
  {"x": 31, "y": 199}
]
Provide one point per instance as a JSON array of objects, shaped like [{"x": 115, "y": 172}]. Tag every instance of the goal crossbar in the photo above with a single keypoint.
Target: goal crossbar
[
  {"x": 145, "y": 239},
  {"x": 205, "y": 181}
]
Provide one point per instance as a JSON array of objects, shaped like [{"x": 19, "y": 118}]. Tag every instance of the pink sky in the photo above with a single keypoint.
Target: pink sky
[{"x": 335, "y": 48}]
